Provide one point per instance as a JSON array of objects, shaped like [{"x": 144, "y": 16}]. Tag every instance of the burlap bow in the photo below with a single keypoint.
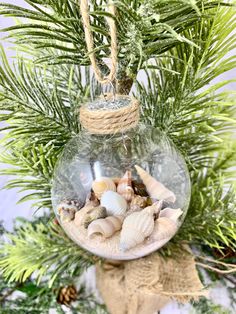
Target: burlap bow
[{"x": 145, "y": 285}]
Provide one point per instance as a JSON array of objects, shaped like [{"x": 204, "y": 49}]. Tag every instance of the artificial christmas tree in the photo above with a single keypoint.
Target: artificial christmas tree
[{"x": 180, "y": 47}]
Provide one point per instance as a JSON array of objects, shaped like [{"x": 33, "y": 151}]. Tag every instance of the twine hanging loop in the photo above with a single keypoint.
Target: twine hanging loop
[{"x": 84, "y": 8}]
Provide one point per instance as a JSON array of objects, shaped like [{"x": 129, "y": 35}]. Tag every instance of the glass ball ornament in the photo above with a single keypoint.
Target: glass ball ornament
[{"x": 120, "y": 191}]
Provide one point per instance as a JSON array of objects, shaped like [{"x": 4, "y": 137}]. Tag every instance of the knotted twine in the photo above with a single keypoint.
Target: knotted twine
[{"x": 145, "y": 285}]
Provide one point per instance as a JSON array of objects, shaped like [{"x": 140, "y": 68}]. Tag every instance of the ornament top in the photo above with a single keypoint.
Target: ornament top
[{"x": 110, "y": 115}]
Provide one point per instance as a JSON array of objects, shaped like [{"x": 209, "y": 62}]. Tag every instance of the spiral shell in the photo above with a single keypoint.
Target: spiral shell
[
  {"x": 155, "y": 189},
  {"x": 66, "y": 212},
  {"x": 172, "y": 214},
  {"x": 81, "y": 215},
  {"x": 93, "y": 214},
  {"x": 138, "y": 202},
  {"x": 124, "y": 186},
  {"x": 115, "y": 203},
  {"x": 105, "y": 227},
  {"x": 164, "y": 228},
  {"x": 102, "y": 185},
  {"x": 155, "y": 208},
  {"x": 136, "y": 227}
]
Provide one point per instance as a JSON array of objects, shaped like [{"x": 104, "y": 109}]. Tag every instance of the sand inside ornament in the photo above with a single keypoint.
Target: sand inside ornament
[{"x": 132, "y": 226}]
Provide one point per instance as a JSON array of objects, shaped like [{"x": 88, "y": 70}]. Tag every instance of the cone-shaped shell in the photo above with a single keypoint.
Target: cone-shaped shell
[
  {"x": 114, "y": 203},
  {"x": 124, "y": 186},
  {"x": 155, "y": 189},
  {"x": 164, "y": 229},
  {"x": 155, "y": 208},
  {"x": 105, "y": 227},
  {"x": 102, "y": 185},
  {"x": 172, "y": 214},
  {"x": 136, "y": 227}
]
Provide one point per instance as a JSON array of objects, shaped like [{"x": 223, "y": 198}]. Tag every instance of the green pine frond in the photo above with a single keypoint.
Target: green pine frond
[
  {"x": 39, "y": 248},
  {"x": 153, "y": 27},
  {"x": 178, "y": 98}
]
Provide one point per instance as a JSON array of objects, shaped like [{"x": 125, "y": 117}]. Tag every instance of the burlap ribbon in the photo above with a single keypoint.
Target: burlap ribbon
[{"x": 145, "y": 285}]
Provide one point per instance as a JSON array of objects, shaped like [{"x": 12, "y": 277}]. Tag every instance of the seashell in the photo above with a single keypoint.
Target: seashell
[
  {"x": 92, "y": 200},
  {"x": 172, "y": 214},
  {"x": 155, "y": 208},
  {"x": 66, "y": 212},
  {"x": 155, "y": 189},
  {"x": 124, "y": 186},
  {"x": 93, "y": 214},
  {"x": 136, "y": 227},
  {"x": 78, "y": 203},
  {"x": 138, "y": 202},
  {"x": 105, "y": 227},
  {"x": 102, "y": 185},
  {"x": 115, "y": 203},
  {"x": 164, "y": 228},
  {"x": 81, "y": 215},
  {"x": 139, "y": 188},
  {"x": 116, "y": 180}
]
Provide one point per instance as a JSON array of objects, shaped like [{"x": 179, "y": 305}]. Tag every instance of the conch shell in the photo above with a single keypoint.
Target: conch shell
[
  {"x": 105, "y": 227},
  {"x": 124, "y": 186},
  {"x": 102, "y": 185},
  {"x": 155, "y": 208},
  {"x": 172, "y": 214},
  {"x": 164, "y": 229},
  {"x": 155, "y": 189},
  {"x": 136, "y": 227}
]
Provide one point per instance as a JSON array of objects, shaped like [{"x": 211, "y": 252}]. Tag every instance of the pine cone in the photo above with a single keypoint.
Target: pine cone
[{"x": 67, "y": 295}]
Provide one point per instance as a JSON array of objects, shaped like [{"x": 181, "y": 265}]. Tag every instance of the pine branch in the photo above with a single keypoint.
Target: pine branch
[
  {"x": 197, "y": 120},
  {"x": 153, "y": 28},
  {"x": 39, "y": 248}
]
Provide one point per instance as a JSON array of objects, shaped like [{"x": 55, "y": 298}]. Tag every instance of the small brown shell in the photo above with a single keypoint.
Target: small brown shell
[
  {"x": 92, "y": 199},
  {"x": 66, "y": 212},
  {"x": 93, "y": 214},
  {"x": 73, "y": 202},
  {"x": 138, "y": 202},
  {"x": 139, "y": 188}
]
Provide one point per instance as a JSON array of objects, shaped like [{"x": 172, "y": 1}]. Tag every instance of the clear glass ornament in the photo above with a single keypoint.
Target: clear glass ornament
[{"x": 153, "y": 196}]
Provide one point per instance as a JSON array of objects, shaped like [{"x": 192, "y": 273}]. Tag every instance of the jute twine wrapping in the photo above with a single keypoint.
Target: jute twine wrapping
[
  {"x": 84, "y": 9},
  {"x": 145, "y": 285},
  {"x": 110, "y": 121}
]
